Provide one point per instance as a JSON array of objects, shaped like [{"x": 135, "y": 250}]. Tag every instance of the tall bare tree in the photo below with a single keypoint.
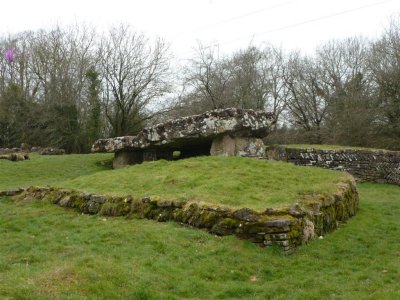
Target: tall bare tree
[
  {"x": 305, "y": 102},
  {"x": 61, "y": 59},
  {"x": 135, "y": 74},
  {"x": 250, "y": 78},
  {"x": 258, "y": 82},
  {"x": 385, "y": 65},
  {"x": 346, "y": 84},
  {"x": 208, "y": 78}
]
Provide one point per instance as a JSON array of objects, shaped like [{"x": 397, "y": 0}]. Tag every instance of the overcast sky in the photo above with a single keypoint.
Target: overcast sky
[{"x": 231, "y": 24}]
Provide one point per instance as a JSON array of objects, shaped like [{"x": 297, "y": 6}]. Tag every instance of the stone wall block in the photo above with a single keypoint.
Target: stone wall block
[
  {"x": 125, "y": 157},
  {"x": 365, "y": 165}
]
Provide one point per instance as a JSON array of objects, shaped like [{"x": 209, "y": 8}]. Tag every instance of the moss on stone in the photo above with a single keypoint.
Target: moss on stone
[
  {"x": 311, "y": 215},
  {"x": 115, "y": 207},
  {"x": 210, "y": 218},
  {"x": 79, "y": 202},
  {"x": 295, "y": 233}
]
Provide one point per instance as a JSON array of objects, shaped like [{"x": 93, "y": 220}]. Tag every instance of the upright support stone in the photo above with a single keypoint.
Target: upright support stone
[
  {"x": 226, "y": 145},
  {"x": 149, "y": 155},
  {"x": 124, "y": 158},
  {"x": 223, "y": 146},
  {"x": 249, "y": 146}
]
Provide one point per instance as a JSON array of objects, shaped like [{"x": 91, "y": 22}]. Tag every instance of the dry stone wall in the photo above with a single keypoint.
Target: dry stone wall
[
  {"x": 366, "y": 165},
  {"x": 13, "y": 154},
  {"x": 313, "y": 216}
]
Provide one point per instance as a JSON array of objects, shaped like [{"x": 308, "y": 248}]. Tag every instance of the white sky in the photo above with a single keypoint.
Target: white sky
[{"x": 231, "y": 24}]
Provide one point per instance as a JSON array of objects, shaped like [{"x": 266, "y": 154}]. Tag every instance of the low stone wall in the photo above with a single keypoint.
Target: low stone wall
[
  {"x": 26, "y": 149},
  {"x": 9, "y": 150},
  {"x": 310, "y": 217},
  {"x": 48, "y": 151},
  {"x": 15, "y": 156},
  {"x": 366, "y": 165}
]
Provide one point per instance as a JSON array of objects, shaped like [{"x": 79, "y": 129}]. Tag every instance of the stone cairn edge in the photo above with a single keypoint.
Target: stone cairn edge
[{"x": 287, "y": 228}]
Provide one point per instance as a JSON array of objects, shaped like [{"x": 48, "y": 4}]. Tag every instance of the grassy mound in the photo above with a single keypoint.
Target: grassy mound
[
  {"x": 47, "y": 252},
  {"x": 231, "y": 181}
]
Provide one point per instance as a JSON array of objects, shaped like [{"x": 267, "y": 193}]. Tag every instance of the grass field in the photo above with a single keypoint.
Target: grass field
[
  {"x": 47, "y": 252},
  {"x": 50, "y": 169}
]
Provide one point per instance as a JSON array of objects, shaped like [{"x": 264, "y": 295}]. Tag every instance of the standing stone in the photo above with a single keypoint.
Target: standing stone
[
  {"x": 124, "y": 158},
  {"x": 225, "y": 145}
]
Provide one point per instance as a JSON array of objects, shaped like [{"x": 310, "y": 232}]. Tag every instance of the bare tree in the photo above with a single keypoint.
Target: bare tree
[
  {"x": 60, "y": 61},
  {"x": 258, "y": 82},
  {"x": 385, "y": 64},
  {"x": 250, "y": 78},
  {"x": 18, "y": 88},
  {"x": 305, "y": 102},
  {"x": 134, "y": 74},
  {"x": 208, "y": 78},
  {"x": 346, "y": 84}
]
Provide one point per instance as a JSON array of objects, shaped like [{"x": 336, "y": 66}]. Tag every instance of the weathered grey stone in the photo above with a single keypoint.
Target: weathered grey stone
[
  {"x": 9, "y": 150},
  {"x": 65, "y": 201},
  {"x": 15, "y": 156},
  {"x": 123, "y": 158},
  {"x": 98, "y": 198},
  {"x": 225, "y": 145},
  {"x": 219, "y": 132},
  {"x": 308, "y": 232},
  {"x": 91, "y": 207},
  {"x": 246, "y": 214},
  {"x": 278, "y": 223},
  {"x": 86, "y": 196},
  {"x": 296, "y": 211},
  {"x": 58, "y": 197},
  {"x": 51, "y": 151},
  {"x": 12, "y": 192}
]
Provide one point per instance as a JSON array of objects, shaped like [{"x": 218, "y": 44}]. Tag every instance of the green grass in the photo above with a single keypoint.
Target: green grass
[
  {"x": 47, "y": 252},
  {"x": 329, "y": 147},
  {"x": 231, "y": 181},
  {"x": 50, "y": 169}
]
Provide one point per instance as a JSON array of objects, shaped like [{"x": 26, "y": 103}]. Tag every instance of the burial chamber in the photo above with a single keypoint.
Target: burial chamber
[{"x": 220, "y": 132}]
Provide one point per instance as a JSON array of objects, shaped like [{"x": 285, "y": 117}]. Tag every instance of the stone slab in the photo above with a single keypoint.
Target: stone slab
[{"x": 193, "y": 129}]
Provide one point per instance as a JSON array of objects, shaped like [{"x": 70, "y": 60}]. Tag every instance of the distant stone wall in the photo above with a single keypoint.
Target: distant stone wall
[
  {"x": 288, "y": 227},
  {"x": 26, "y": 149},
  {"x": 366, "y": 165},
  {"x": 17, "y": 156},
  {"x": 9, "y": 150}
]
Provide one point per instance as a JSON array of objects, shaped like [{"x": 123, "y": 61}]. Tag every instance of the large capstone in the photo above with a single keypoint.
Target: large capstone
[{"x": 224, "y": 132}]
